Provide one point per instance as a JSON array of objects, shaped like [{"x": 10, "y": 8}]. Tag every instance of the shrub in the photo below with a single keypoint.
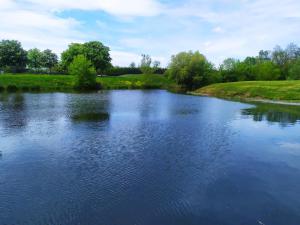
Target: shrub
[
  {"x": 2, "y": 89},
  {"x": 189, "y": 70},
  {"x": 85, "y": 73}
]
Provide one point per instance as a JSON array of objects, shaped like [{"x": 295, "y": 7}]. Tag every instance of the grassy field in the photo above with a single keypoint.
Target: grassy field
[
  {"x": 34, "y": 82},
  {"x": 135, "y": 82},
  {"x": 269, "y": 90}
]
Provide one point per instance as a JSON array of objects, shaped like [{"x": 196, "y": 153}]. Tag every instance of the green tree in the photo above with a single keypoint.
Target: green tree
[
  {"x": 85, "y": 73},
  {"x": 12, "y": 56},
  {"x": 98, "y": 54},
  {"x": 267, "y": 71},
  {"x": 35, "y": 59},
  {"x": 294, "y": 71},
  {"x": 190, "y": 70},
  {"x": 50, "y": 59},
  {"x": 228, "y": 70},
  {"x": 94, "y": 51},
  {"x": 146, "y": 64}
]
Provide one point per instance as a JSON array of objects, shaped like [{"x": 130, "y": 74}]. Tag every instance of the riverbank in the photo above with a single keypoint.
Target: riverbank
[
  {"x": 283, "y": 92},
  {"x": 48, "y": 83}
]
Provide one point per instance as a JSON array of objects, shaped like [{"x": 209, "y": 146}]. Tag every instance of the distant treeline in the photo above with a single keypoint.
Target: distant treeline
[
  {"x": 15, "y": 59},
  {"x": 190, "y": 70}
]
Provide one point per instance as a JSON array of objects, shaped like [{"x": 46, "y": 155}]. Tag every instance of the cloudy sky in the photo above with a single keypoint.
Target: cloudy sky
[{"x": 217, "y": 28}]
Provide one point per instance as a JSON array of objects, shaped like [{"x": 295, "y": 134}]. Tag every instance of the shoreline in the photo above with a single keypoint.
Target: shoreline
[{"x": 250, "y": 100}]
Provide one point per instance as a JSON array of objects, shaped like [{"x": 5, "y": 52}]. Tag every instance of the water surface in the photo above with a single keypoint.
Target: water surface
[{"x": 147, "y": 158}]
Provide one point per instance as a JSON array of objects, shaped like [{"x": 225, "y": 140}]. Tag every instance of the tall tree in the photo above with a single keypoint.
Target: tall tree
[
  {"x": 12, "y": 55},
  {"x": 94, "y": 51},
  {"x": 49, "y": 60},
  {"x": 35, "y": 59},
  {"x": 145, "y": 65},
  {"x": 98, "y": 54}
]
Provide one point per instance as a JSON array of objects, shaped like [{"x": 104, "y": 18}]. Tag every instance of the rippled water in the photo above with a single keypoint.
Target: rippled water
[{"x": 147, "y": 158}]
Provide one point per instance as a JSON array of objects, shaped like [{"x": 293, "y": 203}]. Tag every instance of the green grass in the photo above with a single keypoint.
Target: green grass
[
  {"x": 270, "y": 90},
  {"x": 135, "y": 82},
  {"x": 34, "y": 82}
]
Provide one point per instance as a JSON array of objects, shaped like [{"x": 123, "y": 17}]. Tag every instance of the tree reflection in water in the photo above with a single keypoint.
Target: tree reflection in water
[{"x": 283, "y": 114}]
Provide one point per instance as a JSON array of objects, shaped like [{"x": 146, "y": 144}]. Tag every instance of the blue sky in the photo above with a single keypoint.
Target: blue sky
[{"x": 161, "y": 28}]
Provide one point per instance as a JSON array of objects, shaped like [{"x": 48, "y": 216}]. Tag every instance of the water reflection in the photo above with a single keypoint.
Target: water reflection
[
  {"x": 90, "y": 117},
  {"x": 283, "y": 114},
  {"x": 88, "y": 108},
  {"x": 145, "y": 157},
  {"x": 14, "y": 108}
]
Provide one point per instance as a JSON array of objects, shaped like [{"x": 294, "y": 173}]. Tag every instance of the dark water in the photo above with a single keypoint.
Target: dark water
[{"x": 147, "y": 158}]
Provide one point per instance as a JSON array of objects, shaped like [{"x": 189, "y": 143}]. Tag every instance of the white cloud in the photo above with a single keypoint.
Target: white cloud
[
  {"x": 218, "y": 28},
  {"x": 114, "y": 7}
]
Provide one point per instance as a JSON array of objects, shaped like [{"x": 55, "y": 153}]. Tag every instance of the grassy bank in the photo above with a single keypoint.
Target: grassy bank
[
  {"x": 34, "y": 82},
  {"x": 269, "y": 90}
]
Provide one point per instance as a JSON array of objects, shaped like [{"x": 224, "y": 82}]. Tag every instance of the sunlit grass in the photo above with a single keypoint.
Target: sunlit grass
[{"x": 273, "y": 90}]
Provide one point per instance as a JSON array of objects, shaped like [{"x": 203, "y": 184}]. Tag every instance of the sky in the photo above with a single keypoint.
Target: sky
[{"x": 161, "y": 28}]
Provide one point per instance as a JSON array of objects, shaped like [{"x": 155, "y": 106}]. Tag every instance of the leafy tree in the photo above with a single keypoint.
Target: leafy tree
[
  {"x": 12, "y": 56},
  {"x": 50, "y": 59},
  {"x": 228, "y": 70},
  {"x": 267, "y": 71},
  {"x": 94, "y": 51},
  {"x": 146, "y": 63},
  {"x": 294, "y": 71},
  {"x": 264, "y": 55},
  {"x": 98, "y": 54},
  {"x": 68, "y": 55},
  {"x": 190, "y": 70},
  {"x": 292, "y": 51},
  {"x": 35, "y": 59},
  {"x": 281, "y": 59},
  {"x": 85, "y": 73}
]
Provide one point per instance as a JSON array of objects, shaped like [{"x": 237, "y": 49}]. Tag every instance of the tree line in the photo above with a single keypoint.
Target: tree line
[
  {"x": 13, "y": 58},
  {"x": 190, "y": 70}
]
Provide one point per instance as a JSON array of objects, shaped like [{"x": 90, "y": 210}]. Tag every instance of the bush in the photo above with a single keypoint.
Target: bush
[
  {"x": 2, "y": 89},
  {"x": 85, "y": 73},
  {"x": 190, "y": 70}
]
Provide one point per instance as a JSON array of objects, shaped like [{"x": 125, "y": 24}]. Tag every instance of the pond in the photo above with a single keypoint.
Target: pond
[{"x": 147, "y": 158}]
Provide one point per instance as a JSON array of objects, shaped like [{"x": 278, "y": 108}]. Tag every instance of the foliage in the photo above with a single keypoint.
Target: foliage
[
  {"x": 94, "y": 51},
  {"x": 294, "y": 71},
  {"x": 117, "y": 71},
  {"x": 267, "y": 71},
  {"x": 84, "y": 71},
  {"x": 12, "y": 56},
  {"x": 50, "y": 59},
  {"x": 190, "y": 70},
  {"x": 146, "y": 65},
  {"x": 35, "y": 59}
]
